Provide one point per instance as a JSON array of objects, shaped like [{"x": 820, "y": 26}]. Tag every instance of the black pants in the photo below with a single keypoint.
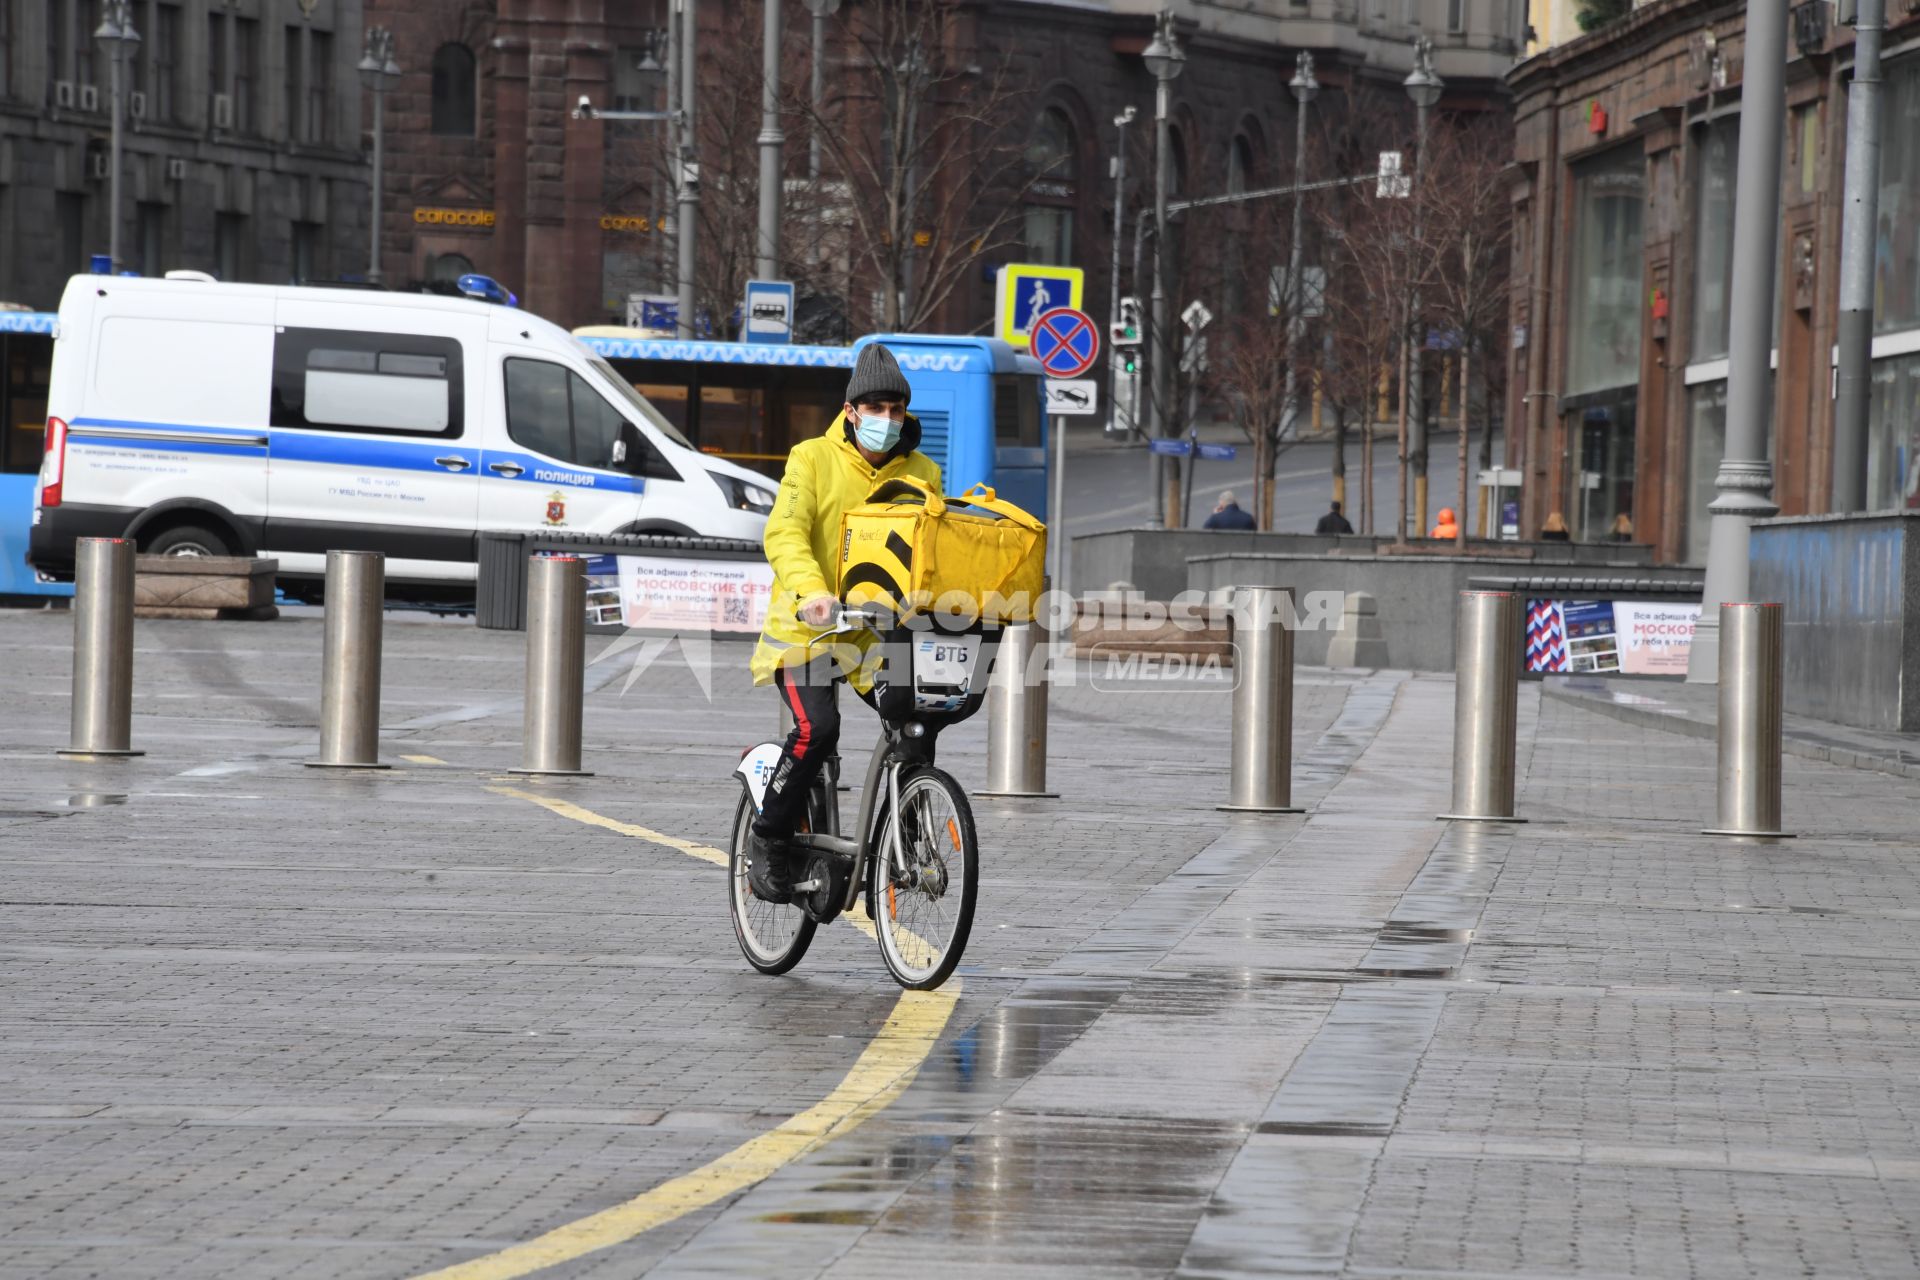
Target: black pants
[{"x": 809, "y": 695}]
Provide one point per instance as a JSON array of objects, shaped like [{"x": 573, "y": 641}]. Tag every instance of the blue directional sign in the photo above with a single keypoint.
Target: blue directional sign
[
  {"x": 1065, "y": 342},
  {"x": 1218, "y": 452},
  {"x": 1172, "y": 448}
]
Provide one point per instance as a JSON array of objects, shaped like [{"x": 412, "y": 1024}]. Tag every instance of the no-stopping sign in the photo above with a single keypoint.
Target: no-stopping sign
[{"x": 1065, "y": 342}]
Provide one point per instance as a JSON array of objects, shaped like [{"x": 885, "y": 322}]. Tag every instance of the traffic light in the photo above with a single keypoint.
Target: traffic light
[
  {"x": 1126, "y": 326},
  {"x": 1126, "y": 394}
]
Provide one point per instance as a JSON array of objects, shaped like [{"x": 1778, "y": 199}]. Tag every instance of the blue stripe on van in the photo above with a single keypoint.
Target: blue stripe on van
[
  {"x": 79, "y": 437},
  {"x": 194, "y": 427},
  {"x": 364, "y": 451}
]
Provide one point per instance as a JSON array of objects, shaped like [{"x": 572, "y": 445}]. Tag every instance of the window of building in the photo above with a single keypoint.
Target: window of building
[
  {"x": 355, "y": 381},
  {"x": 1456, "y": 16},
  {"x": 70, "y": 215},
  {"x": 1051, "y": 192},
  {"x": 229, "y": 245},
  {"x": 1707, "y": 443},
  {"x": 150, "y": 225},
  {"x": 295, "y": 84},
  {"x": 1716, "y": 168},
  {"x": 1604, "y": 312},
  {"x": 453, "y": 91},
  {"x": 246, "y": 76},
  {"x": 1805, "y": 134},
  {"x": 306, "y": 252},
  {"x": 163, "y": 62},
  {"x": 217, "y": 63},
  {"x": 319, "y": 86},
  {"x": 73, "y": 15},
  {"x": 1239, "y": 164},
  {"x": 6, "y": 48},
  {"x": 1893, "y": 449}
]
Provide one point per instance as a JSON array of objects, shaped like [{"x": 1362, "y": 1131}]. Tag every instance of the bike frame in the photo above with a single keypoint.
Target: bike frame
[{"x": 893, "y": 752}]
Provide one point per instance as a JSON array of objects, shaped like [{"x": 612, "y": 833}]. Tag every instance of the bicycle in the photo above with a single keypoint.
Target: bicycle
[{"x": 913, "y": 844}]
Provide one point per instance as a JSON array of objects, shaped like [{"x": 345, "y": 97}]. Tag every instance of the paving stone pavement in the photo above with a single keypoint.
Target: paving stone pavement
[{"x": 264, "y": 1021}]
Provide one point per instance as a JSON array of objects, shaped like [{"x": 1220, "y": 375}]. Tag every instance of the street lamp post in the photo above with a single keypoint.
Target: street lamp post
[
  {"x": 1166, "y": 60},
  {"x": 117, "y": 39},
  {"x": 772, "y": 142},
  {"x": 1424, "y": 86},
  {"x": 687, "y": 219},
  {"x": 1120, "y": 122},
  {"x": 378, "y": 71},
  {"x": 1745, "y": 478},
  {"x": 1305, "y": 89},
  {"x": 821, "y": 10}
]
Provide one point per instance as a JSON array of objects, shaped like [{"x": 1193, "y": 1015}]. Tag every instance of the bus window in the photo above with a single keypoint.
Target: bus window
[
  {"x": 24, "y": 426},
  {"x": 733, "y": 423},
  {"x": 670, "y": 399},
  {"x": 1016, "y": 413}
]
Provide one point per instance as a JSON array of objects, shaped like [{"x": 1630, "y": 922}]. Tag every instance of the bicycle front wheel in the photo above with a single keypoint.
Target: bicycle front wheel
[
  {"x": 924, "y": 897},
  {"x": 772, "y": 936}
]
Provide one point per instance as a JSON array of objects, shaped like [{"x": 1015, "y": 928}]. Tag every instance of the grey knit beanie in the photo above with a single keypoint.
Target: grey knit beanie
[{"x": 877, "y": 372}]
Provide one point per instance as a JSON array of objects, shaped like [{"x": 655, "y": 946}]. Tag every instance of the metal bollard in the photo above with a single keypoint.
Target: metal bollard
[
  {"x": 1750, "y": 721},
  {"x": 350, "y": 662},
  {"x": 556, "y": 666},
  {"x": 102, "y": 649},
  {"x": 1485, "y": 706},
  {"x": 1017, "y": 717},
  {"x": 1261, "y": 779}
]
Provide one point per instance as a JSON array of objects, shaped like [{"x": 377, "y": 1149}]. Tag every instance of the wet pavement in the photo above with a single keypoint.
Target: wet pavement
[{"x": 260, "y": 1021}]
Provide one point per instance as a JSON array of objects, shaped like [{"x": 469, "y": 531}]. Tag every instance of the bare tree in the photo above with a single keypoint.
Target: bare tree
[
  {"x": 926, "y": 137},
  {"x": 1468, "y": 228}
]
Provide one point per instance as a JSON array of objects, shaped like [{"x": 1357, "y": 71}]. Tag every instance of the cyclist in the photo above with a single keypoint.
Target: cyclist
[{"x": 874, "y": 439}]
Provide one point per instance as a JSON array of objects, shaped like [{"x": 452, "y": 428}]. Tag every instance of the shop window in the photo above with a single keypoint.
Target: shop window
[
  {"x": 454, "y": 105},
  {"x": 1603, "y": 348},
  {"x": 1716, "y": 165},
  {"x": 1893, "y": 443}
]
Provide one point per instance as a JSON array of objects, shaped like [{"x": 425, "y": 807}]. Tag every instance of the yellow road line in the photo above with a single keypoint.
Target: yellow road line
[
  {"x": 883, "y": 1071},
  {"x": 423, "y": 759}
]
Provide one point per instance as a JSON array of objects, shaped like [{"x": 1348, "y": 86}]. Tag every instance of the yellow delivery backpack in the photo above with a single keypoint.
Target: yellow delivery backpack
[{"x": 911, "y": 549}]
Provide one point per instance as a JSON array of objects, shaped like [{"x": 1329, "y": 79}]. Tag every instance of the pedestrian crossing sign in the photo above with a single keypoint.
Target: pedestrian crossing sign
[{"x": 1025, "y": 291}]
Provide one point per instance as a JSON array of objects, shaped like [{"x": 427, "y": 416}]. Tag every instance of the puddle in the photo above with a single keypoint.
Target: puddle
[
  {"x": 92, "y": 800},
  {"x": 825, "y": 1217}
]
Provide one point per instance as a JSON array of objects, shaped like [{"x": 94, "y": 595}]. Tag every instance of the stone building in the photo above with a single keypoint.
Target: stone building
[
  {"x": 242, "y": 142},
  {"x": 490, "y": 171},
  {"x": 1627, "y": 142}
]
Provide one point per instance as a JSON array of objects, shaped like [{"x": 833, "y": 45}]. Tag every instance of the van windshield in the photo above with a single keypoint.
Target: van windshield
[{"x": 639, "y": 402}]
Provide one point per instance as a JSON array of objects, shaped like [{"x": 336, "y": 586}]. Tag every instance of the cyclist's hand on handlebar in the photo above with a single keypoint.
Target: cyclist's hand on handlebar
[{"x": 819, "y": 611}]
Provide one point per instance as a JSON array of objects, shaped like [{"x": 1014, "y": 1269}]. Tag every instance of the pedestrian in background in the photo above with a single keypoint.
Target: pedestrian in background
[
  {"x": 1555, "y": 529},
  {"x": 1228, "y": 515},
  {"x": 1446, "y": 529},
  {"x": 1333, "y": 522}
]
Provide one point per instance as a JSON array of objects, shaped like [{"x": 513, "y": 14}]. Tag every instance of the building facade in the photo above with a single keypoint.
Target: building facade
[
  {"x": 241, "y": 137},
  {"x": 491, "y": 171},
  {"x": 1628, "y": 144}
]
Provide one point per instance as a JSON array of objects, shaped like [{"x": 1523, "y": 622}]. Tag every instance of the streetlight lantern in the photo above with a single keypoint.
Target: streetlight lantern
[
  {"x": 1164, "y": 57},
  {"x": 117, "y": 39},
  {"x": 1305, "y": 87},
  {"x": 378, "y": 71},
  {"x": 1423, "y": 83}
]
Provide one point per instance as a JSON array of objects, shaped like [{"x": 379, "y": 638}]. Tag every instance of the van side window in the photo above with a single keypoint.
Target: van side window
[
  {"x": 554, "y": 411},
  {"x": 351, "y": 380}
]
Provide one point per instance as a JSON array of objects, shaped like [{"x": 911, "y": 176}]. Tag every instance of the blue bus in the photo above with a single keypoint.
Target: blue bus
[
  {"x": 26, "y": 360},
  {"x": 979, "y": 401}
]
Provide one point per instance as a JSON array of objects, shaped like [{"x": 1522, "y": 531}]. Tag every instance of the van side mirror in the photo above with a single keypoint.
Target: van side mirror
[{"x": 629, "y": 453}]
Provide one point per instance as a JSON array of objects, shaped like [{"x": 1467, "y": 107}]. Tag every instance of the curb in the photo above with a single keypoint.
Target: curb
[{"x": 1791, "y": 744}]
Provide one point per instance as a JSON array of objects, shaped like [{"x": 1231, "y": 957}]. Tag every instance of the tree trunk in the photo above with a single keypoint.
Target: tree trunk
[
  {"x": 1366, "y": 474},
  {"x": 1340, "y": 459},
  {"x": 1466, "y": 436}
]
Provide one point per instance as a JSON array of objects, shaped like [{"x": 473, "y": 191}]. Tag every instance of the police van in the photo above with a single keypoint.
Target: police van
[{"x": 201, "y": 418}]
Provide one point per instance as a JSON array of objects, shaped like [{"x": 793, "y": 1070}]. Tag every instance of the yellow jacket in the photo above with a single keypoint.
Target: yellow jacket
[{"x": 825, "y": 477}]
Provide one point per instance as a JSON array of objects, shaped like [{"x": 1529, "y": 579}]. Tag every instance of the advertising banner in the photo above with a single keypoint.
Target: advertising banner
[
  {"x": 671, "y": 594},
  {"x": 1619, "y": 637}
]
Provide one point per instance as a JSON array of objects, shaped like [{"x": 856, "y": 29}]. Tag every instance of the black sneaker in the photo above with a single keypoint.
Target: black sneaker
[{"x": 768, "y": 869}]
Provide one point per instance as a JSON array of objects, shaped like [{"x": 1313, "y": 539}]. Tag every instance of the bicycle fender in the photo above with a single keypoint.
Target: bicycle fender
[{"x": 756, "y": 770}]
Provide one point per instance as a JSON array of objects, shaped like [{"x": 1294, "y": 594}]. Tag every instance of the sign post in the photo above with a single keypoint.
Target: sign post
[{"x": 1066, "y": 344}]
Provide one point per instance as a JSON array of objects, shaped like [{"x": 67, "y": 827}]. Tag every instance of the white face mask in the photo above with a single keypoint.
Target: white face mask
[{"x": 876, "y": 432}]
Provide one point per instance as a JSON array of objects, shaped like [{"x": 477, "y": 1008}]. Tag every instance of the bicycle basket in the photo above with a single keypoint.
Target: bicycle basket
[{"x": 934, "y": 671}]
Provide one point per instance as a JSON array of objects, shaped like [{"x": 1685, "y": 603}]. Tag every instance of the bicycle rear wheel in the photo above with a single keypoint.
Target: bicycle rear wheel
[
  {"x": 772, "y": 936},
  {"x": 924, "y": 910}
]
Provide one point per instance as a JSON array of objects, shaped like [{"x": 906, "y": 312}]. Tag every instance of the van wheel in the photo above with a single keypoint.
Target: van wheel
[{"x": 188, "y": 540}]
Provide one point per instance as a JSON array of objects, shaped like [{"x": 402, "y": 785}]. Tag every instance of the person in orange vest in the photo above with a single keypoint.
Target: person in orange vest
[{"x": 1446, "y": 528}]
